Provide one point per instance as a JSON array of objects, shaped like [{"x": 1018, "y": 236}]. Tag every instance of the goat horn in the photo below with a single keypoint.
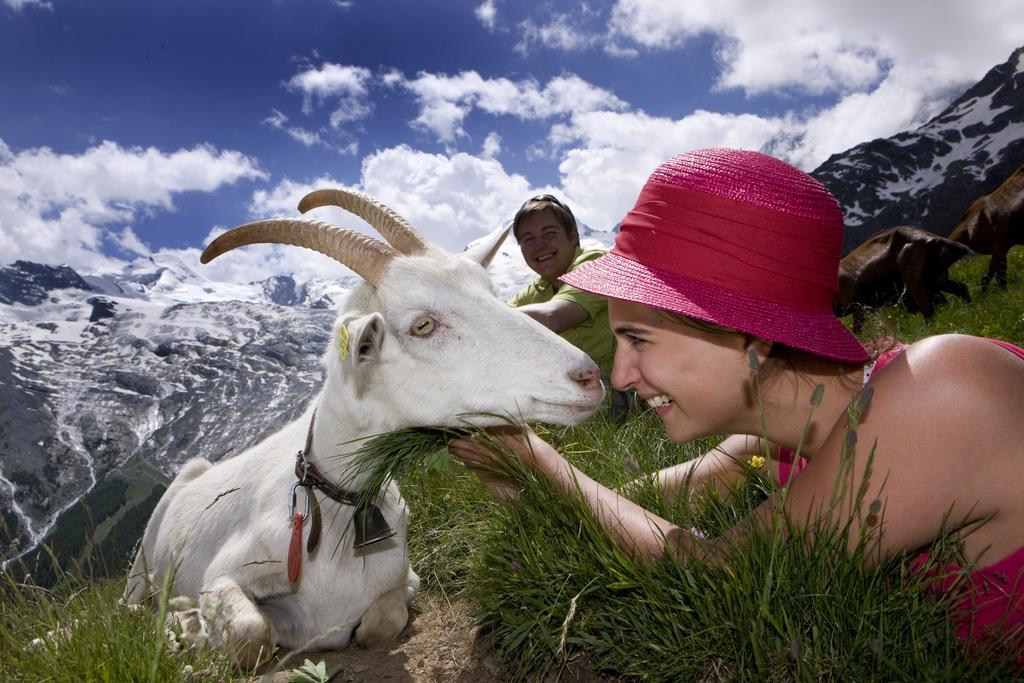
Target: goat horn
[
  {"x": 396, "y": 230},
  {"x": 366, "y": 256}
]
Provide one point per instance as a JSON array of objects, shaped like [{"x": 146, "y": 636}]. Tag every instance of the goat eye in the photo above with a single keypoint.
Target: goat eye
[{"x": 424, "y": 326}]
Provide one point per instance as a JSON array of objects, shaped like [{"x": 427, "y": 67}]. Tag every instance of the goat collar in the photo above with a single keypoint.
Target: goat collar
[{"x": 368, "y": 522}]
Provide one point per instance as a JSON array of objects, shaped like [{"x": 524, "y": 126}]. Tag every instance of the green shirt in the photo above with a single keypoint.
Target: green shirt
[{"x": 594, "y": 335}]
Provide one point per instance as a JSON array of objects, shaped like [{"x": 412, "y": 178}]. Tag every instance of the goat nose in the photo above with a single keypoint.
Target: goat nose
[{"x": 587, "y": 378}]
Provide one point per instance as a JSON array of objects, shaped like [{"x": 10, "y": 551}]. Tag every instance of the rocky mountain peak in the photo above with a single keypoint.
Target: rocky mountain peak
[
  {"x": 29, "y": 284},
  {"x": 280, "y": 289},
  {"x": 929, "y": 176}
]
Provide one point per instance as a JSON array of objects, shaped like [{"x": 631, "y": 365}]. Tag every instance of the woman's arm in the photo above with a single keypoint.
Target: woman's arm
[
  {"x": 634, "y": 530},
  {"x": 719, "y": 469}
]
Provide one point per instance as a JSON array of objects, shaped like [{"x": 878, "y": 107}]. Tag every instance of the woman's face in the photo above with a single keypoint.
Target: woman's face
[{"x": 697, "y": 381}]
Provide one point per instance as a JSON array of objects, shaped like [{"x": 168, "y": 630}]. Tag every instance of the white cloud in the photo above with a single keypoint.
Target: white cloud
[
  {"x": 617, "y": 49},
  {"x": 887, "y": 72},
  {"x": 130, "y": 242},
  {"x": 611, "y": 154},
  {"x": 492, "y": 146},
  {"x": 59, "y": 208},
  {"x": 825, "y": 46},
  {"x": 18, "y": 5},
  {"x": 331, "y": 79},
  {"x": 487, "y": 13},
  {"x": 445, "y": 101},
  {"x": 392, "y": 78},
  {"x": 260, "y": 261},
  {"x": 570, "y": 32},
  {"x": 276, "y": 120},
  {"x": 349, "y": 109},
  {"x": 283, "y": 199},
  {"x": 456, "y": 198},
  {"x": 452, "y": 200},
  {"x": 345, "y": 84},
  {"x": 901, "y": 102},
  {"x": 884, "y": 76},
  {"x": 443, "y": 119},
  {"x": 307, "y": 137}
]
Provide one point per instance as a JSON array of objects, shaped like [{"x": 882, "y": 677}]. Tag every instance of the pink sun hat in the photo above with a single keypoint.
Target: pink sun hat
[{"x": 735, "y": 238}]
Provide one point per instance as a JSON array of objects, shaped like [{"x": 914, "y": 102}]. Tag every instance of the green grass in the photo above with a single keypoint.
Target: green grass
[
  {"x": 92, "y": 637},
  {"x": 994, "y": 313},
  {"x": 550, "y": 589}
]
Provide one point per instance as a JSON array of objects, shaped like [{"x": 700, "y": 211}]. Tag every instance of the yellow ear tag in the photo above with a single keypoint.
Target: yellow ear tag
[{"x": 342, "y": 342}]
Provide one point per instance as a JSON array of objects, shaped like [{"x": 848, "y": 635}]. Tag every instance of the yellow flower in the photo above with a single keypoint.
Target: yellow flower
[{"x": 757, "y": 461}]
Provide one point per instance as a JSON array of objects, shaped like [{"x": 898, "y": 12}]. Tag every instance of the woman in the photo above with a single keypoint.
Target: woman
[{"x": 720, "y": 292}]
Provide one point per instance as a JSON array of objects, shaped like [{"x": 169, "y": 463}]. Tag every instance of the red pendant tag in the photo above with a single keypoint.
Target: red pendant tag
[{"x": 295, "y": 550}]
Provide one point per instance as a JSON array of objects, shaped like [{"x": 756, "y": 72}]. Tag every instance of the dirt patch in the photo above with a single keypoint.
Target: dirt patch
[{"x": 441, "y": 643}]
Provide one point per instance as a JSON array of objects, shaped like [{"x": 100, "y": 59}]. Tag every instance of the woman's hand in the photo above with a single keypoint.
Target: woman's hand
[{"x": 482, "y": 457}]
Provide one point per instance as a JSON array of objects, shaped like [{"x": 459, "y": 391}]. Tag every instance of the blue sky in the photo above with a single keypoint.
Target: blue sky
[{"x": 132, "y": 129}]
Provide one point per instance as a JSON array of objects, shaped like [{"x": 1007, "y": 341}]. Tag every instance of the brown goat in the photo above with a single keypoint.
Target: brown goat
[
  {"x": 994, "y": 223},
  {"x": 895, "y": 261}
]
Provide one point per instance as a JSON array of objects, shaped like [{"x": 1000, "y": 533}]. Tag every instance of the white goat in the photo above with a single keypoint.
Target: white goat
[{"x": 424, "y": 342}]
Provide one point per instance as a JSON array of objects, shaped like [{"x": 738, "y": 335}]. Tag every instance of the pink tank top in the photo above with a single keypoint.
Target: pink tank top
[{"x": 988, "y": 602}]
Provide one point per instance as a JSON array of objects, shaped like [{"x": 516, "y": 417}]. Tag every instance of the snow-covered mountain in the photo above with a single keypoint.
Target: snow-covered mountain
[
  {"x": 130, "y": 373},
  {"x": 135, "y": 372},
  {"x": 929, "y": 176}
]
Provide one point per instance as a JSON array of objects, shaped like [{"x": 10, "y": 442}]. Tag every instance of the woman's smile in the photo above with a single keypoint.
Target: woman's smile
[{"x": 661, "y": 404}]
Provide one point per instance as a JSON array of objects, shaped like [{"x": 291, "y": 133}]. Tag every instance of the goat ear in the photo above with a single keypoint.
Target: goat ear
[
  {"x": 369, "y": 339},
  {"x": 484, "y": 252},
  {"x": 362, "y": 338}
]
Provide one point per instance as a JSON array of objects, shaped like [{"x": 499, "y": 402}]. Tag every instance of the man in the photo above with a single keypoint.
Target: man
[{"x": 549, "y": 240}]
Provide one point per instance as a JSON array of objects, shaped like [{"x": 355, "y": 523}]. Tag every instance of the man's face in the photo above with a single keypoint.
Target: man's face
[{"x": 545, "y": 246}]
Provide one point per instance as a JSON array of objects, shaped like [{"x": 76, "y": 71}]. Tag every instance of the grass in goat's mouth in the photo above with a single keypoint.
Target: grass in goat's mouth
[
  {"x": 391, "y": 455},
  {"x": 388, "y": 456}
]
